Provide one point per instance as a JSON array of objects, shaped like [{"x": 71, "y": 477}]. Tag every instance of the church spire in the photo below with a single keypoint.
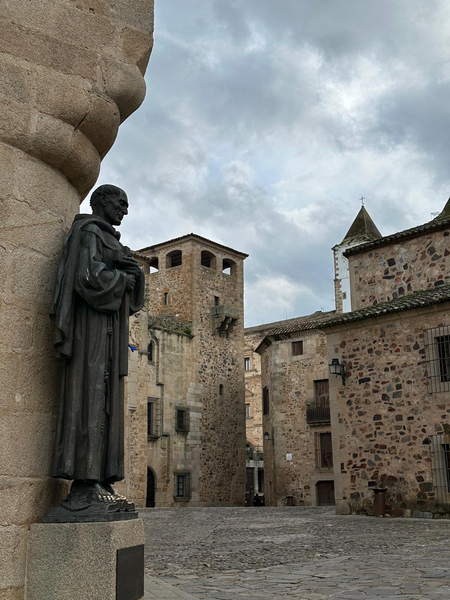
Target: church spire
[
  {"x": 446, "y": 212},
  {"x": 363, "y": 229}
]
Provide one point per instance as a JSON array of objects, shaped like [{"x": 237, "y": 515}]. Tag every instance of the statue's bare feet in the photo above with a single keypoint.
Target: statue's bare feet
[
  {"x": 110, "y": 490},
  {"x": 84, "y": 494}
]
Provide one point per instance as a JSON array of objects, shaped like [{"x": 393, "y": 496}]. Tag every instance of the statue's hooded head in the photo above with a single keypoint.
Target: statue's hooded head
[{"x": 110, "y": 203}]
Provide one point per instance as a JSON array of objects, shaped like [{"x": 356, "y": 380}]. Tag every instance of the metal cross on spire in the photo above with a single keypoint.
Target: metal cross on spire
[{"x": 362, "y": 200}]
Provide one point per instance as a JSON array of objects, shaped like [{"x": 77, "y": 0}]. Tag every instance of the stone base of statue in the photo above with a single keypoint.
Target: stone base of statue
[{"x": 86, "y": 561}]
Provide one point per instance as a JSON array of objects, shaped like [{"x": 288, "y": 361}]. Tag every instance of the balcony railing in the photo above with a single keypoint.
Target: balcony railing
[{"x": 318, "y": 413}]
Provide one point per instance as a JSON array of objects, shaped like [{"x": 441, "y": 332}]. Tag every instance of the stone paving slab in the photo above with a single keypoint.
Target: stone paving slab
[{"x": 310, "y": 554}]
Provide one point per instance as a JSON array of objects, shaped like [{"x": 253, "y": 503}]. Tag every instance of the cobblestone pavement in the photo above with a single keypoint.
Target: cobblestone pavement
[{"x": 307, "y": 553}]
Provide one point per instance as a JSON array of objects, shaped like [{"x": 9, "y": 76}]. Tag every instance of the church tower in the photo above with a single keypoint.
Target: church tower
[{"x": 363, "y": 229}]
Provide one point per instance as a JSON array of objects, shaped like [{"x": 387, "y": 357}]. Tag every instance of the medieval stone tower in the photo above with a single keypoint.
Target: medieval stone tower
[{"x": 186, "y": 383}]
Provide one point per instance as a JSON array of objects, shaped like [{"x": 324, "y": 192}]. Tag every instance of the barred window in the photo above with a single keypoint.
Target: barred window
[
  {"x": 153, "y": 417},
  {"x": 438, "y": 357},
  {"x": 440, "y": 467},
  {"x": 182, "y": 420},
  {"x": 182, "y": 485}
]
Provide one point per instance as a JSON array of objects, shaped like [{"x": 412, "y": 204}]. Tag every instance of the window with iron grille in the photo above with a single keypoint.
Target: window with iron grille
[
  {"x": 182, "y": 420},
  {"x": 265, "y": 400},
  {"x": 438, "y": 357},
  {"x": 182, "y": 485},
  {"x": 440, "y": 467},
  {"x": 297, "y": 348},
  {"x": 318, "y": 411},
  {"x": 247, "y": 363},
  {"x": 153, "y": 416},
  {"x": 324, "y": 451}
]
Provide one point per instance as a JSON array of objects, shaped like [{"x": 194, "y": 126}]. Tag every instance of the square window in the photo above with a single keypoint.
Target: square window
[{"x": 297, "y": 348}]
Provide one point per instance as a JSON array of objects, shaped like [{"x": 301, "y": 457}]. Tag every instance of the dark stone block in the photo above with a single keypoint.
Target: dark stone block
[
  {"x": 427, "y": 486},
  {"x": 130, "y": 573}
]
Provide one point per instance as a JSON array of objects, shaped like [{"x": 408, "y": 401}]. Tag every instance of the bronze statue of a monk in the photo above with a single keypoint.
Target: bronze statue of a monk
[{"x": 99, "y": 285}]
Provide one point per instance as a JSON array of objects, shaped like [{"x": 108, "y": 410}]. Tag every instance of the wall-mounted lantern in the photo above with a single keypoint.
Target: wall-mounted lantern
[{"x": 337, "y": 369}]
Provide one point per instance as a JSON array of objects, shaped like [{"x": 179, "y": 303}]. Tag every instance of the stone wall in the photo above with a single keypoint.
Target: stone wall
[
  {"x": 253, "y": 395},
  {"x": 71, "y": 73},
  {"x": 384, "y": 416},
  {"x": 390, "y": 271},
  {"x": 290, "y": 382}
]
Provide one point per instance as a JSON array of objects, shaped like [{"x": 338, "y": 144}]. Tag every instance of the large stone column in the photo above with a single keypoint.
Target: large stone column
[{"x": 70, "y": 72}]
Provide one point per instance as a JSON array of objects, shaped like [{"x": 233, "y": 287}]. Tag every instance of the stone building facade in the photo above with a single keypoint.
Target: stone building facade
[
  {"x": 186, "y": 383},
  {"x": 71, "y": 73},
  {"x": 390, "y": 411},
  {"x": 296, "y": 417}
]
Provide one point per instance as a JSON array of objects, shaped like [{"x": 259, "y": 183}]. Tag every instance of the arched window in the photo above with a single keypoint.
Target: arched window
[
  {"x": 229, "y": 267},
  {"x": 150, "y": 352},
  {"x": 208, "y": 259},
  {"x": 174, "y": 259},
  {"x": 154, "y": 264}
]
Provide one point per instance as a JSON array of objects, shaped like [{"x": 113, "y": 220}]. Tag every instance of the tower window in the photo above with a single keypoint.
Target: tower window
[
  {"x": 221, "y": 389},
  {"x": 166, "y": 298},
  {"x": 229, "y": 267},
  {"x": 150, "y": 357},
  {"x": 174, "y": 259},
  {"x": 154, "y": 264},
  {"x": 247, "y": 363},
  {"x": 182, "y": 485},
  {"x": 208, "y": 259},
  {"x": 216, "y": 300},
  {"x": 247, "y": 411},
  {"x": 182, "y": 420}
]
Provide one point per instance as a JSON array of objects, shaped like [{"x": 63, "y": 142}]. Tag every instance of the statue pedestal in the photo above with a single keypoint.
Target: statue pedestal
[{"x": 86, "y": 561}]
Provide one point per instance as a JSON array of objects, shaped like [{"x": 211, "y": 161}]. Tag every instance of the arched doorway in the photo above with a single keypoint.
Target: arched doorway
[{"x": 151, "y": 485}]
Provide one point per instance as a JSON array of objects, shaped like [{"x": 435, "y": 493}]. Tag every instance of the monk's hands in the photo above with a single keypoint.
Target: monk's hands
[
  {"x": 131, "y": 282},
  {"x": 130, "y": 266}
]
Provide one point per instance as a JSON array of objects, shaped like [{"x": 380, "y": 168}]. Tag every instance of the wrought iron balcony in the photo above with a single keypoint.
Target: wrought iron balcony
[{"x": 317, "y": 413}]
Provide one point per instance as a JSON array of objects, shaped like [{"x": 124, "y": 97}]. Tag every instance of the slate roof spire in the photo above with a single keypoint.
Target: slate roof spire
[
  {"x": 446, "y": 211},
  {"x": 363, "y": 229}
]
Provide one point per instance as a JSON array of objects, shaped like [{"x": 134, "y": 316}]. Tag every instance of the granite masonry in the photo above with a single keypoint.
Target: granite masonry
[{"x": 72, "y": 71}]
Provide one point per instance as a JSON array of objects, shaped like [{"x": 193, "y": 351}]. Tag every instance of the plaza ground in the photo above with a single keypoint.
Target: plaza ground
[{"x": 293, "y": 552}]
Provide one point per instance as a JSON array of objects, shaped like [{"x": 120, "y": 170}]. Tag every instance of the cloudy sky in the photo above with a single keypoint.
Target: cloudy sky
[{"x": 266, "y": 120}]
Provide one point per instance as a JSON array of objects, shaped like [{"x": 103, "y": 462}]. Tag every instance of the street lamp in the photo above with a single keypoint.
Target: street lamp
[{"x": 337, "y": 369}]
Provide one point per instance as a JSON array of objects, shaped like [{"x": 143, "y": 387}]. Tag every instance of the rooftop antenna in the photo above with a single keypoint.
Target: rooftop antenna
[
  {"x": 362, "y": 200},
  {"x": 435, "y": 214}
]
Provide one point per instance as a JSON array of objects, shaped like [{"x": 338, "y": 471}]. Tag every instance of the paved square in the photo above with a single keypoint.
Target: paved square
[{"x": 293, "y": 552}]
